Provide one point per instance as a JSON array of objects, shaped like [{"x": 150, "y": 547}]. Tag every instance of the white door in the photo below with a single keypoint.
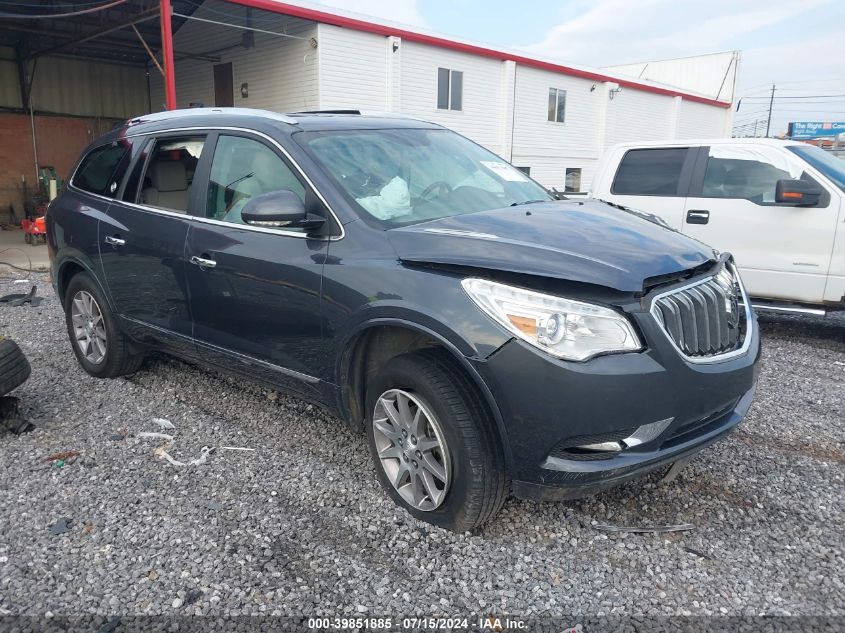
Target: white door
[
  {"x": 783, "y": 252},
  {"x": 653, "y": 180}
]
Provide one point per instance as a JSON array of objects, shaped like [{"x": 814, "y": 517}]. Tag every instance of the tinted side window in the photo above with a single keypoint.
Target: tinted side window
[
  {"x": 102, "y": 169},
  {"x": 650, "y": 172},
  {"x": 243, "y": 168}
]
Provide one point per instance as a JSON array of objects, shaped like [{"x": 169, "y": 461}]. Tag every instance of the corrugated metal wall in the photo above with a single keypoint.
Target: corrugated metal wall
[{"x": 77, "y": 87}]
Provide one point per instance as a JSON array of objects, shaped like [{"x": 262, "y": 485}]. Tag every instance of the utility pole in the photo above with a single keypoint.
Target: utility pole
[{"x": 771, "y": 103}]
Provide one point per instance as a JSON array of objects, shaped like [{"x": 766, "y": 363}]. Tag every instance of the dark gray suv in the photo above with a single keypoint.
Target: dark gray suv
[{"x": 486, "y": 336}]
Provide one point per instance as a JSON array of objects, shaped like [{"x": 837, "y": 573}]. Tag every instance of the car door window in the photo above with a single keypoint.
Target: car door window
[
  {"x": 102, "y": 169},
  {"x": 242, "y": 169},
  {"x": 650, "y": 172},
  {"x": 170, "y": 171},
  {"x": 746, "y": 173}
]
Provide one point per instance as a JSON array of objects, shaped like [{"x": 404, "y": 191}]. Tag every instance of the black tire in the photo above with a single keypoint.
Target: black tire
[
  {"x": 14, "y": 367},
  {"x": 119, "y": 359},
  {"x": 479, "y": 485}
]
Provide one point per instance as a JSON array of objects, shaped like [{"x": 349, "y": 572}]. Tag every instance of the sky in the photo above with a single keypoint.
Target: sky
[{"x": 799, "y": 45}]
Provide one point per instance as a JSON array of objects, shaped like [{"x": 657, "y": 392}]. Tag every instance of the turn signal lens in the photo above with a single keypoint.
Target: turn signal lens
[{"x": 565, "y": 328}]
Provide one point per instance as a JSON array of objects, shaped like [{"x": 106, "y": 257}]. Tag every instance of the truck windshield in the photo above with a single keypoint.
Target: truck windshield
[
  {"x": 827, "y": 164},
  {"x": 406, "y": 176}
]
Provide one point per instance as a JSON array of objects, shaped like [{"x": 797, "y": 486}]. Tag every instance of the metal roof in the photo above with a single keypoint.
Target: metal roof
[{"x": 102, "y": 35}]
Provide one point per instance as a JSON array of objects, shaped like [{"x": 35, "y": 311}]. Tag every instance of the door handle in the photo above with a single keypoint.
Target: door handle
[
  {"x": 698, "y": 216},
  {"x": 202, "y": 262},
  {"x": 115, "y": 241}
]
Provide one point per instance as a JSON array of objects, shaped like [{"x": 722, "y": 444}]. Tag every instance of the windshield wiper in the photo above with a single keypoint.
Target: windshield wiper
[{"x": 516, "y": 204}]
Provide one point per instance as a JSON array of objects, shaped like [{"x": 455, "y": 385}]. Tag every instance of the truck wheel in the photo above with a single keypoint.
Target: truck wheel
[
  {"x": 14, "y": 367},
  {"x": 435, "y": 450},
  {"x": 98, "y": 343}
]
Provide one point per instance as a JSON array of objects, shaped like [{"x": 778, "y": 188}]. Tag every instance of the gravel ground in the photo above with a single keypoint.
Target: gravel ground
[{"x": 300, "y": 526}]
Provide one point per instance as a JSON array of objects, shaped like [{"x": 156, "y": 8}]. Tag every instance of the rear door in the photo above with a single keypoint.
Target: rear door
[
  {"x": 654, "y": 180},
  {"x": 142, "y": 240},
  {"x": 783, "y": 252},
  {"x": 255, "y": 291}
]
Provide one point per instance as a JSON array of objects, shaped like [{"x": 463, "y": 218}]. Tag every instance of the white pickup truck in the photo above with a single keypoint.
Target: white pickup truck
[{"x": 778, "y": 206}]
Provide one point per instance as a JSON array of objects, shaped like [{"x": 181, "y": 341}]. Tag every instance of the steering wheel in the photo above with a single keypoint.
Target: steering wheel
[{"x": 435, "y": 186}]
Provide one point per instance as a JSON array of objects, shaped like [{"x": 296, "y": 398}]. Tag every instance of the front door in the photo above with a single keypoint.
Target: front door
[
  {"x": 142, "y": 241},
  {"x": 783, "y": 252},
  {"x": 255, "y": 291},
  {"x": 224, "y": 95}
]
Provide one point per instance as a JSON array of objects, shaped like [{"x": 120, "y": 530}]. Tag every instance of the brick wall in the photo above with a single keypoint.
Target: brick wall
[{"x": 59, "y": 141}]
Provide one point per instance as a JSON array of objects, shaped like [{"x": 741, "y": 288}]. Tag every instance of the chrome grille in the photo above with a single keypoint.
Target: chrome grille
[{"x": 707, "y": 319}]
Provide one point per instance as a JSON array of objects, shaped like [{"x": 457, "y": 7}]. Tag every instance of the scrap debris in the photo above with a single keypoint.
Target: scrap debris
[
  {"x": 18, "y": 299},
  {"x": 61, "y": 526},
  {"x": 10, "y": 416},
  {"x": 65, "y": 457},
  {"x": 654, "y": 529},
  {"x": 164, "y": 424},
  {"x": 169, "y": 440}
]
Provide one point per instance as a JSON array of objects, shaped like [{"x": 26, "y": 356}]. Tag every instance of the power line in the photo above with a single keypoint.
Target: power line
[{"x": 799, "y": 97}]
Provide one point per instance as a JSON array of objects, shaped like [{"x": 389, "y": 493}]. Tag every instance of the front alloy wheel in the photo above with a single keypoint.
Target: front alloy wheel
[
  {"x": 412, "y": 449},
  {"x": 434, "y": 446},
  {"x": 89, "y": 329}
]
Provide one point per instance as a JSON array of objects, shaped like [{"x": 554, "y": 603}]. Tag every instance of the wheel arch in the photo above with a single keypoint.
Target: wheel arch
[
  {"x": 71, "y": 266},
  {"x": 374, "y": 342}
]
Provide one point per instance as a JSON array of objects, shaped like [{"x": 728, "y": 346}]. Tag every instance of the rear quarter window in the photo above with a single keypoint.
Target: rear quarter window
[
  {"x": 102, "y": 169},
  {"x": 650, "y": 172}
]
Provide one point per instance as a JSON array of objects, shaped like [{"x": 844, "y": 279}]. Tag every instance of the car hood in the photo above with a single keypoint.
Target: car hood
[{"x": 585, "y": 241}]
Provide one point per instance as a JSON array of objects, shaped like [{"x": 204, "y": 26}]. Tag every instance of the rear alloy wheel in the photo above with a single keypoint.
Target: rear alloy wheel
[
  {"x": 89, "y": 329},
  {"x": 98, "y": 343},
  {"x": 412, "y": 449},
  {"x": 433, "y": 442}
]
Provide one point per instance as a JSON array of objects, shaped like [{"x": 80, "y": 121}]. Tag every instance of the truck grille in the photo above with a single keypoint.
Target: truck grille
[{"x": 705, "y": 320}]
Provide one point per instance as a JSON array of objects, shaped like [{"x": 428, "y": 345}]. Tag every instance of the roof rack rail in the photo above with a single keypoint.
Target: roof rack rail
[
  {"x": 172, "y": 114},
  {"x": 384, "y": 115},
  {"x": 327, "y": 112}
]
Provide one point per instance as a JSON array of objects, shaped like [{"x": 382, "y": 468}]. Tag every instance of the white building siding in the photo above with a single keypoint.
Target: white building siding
[
  {"x": 636, "y": 115},
  {"x": 480, "y": 117},
  {"x": 699, "y": 120},
  {"x": 353, "y": 69},
  {"x": 550, "y": 147},
  {"x": 281, "y": 72}
]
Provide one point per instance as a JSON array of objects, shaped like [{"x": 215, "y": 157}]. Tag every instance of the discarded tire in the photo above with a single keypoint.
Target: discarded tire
[{"x": 14, "y": 367}]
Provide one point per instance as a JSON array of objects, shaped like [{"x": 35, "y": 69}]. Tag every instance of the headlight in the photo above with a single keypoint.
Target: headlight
[{"x": 564, "y": 328}]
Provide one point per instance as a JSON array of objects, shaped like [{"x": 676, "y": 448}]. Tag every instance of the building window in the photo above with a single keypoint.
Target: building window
[
  {"x": 524, "y": 170},
  {"x": 557, "y": 105},
  {"x": 573, "y": 179},
  {"x": 450, "y": 89}
]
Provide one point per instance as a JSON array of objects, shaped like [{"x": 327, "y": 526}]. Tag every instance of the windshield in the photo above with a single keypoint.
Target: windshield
[
  {"x": 407, "y": 176},
  {"x": 827, "y": 164}
]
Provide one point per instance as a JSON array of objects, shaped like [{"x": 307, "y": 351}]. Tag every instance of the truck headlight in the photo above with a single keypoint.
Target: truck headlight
[{"x": 565, "y": 328}]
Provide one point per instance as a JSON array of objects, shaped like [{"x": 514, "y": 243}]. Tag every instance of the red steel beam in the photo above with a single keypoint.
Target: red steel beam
[{"x": 167, "y": 55}]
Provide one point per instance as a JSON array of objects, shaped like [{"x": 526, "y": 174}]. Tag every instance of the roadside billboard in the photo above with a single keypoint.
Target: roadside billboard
[{"x": 815, "y": 129}]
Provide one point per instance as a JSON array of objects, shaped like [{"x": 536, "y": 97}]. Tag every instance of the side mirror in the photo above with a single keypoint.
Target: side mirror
[
  {"x": 279, "y": 209},
  {"x": 798, "y": 193}
]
